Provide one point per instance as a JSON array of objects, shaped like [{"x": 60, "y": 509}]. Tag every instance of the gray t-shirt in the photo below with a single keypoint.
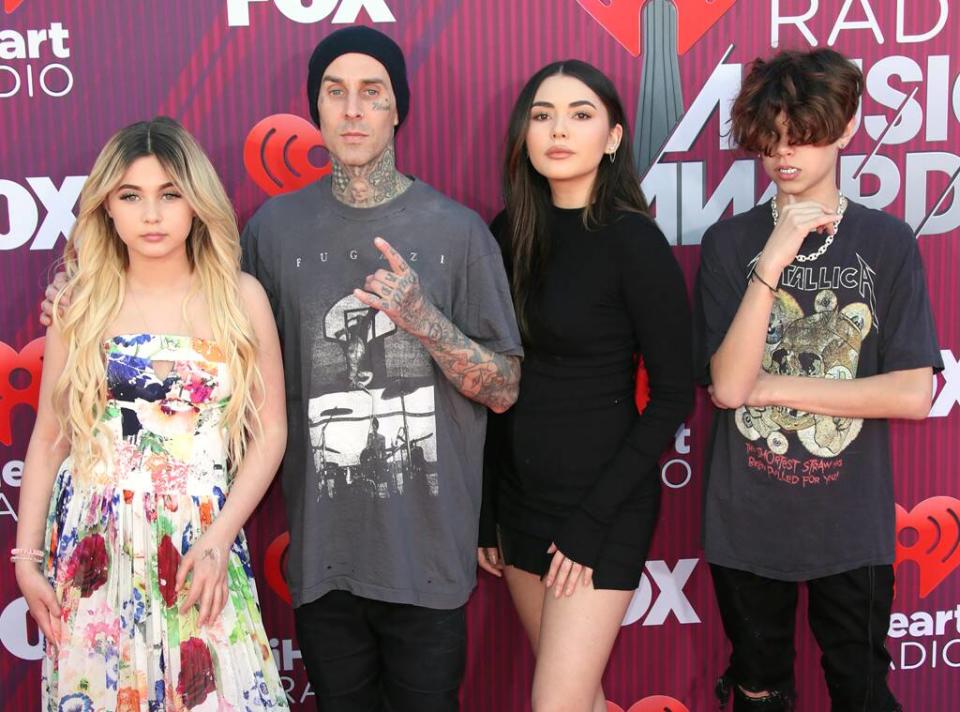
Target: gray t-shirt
[
  {"x": 382, "y": 473},
  {"x": 792, "y": 495}
]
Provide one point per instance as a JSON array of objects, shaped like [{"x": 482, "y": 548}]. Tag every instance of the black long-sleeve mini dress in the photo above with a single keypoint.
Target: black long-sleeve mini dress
[{"x": 574, "y": 462}]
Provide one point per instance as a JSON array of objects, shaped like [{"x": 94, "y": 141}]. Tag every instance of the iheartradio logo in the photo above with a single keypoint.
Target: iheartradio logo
[
  {"x": 275, "y": 564},
  {"x": 657, "y": 703},
  {"x": 11, "y": 5},
  {"x": 15, "y": 368},
  {"x": 276, "y": 154},
  {"x": 936, "y": 550},
  {"x": 622, "y": 19}
]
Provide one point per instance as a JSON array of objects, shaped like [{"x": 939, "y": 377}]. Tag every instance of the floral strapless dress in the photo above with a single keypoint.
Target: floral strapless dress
[{"x": 117, "y": 535}]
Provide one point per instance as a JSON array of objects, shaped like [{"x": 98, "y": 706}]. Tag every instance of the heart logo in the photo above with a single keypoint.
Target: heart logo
[
  {"x": 276, "y": 154},
  {"x": 29, "y": 361},
  {"x": 936, "y": 550},
  {"x": 11, "y": 5},
  {"x": 657, "y": 703},
  {"x": 695, "y": 18},
  {"x": 623, "y": 20}
]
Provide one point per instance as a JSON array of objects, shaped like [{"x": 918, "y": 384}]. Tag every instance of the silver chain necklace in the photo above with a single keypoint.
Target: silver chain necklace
[{"x": 841, "y": 208}]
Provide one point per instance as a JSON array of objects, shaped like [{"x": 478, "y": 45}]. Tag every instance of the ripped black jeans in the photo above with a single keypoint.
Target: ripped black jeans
[{"x": 849, "y": 615}]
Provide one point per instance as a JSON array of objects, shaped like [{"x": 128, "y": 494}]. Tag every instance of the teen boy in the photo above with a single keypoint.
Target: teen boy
[{"x": 814, "y": 328}]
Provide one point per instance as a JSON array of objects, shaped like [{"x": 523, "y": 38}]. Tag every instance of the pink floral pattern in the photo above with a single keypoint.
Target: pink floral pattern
[{"x": 117, "y": 537}]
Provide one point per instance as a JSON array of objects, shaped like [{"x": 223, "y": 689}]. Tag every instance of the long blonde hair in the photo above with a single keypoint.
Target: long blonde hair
[{"x": 95, "y": 259}]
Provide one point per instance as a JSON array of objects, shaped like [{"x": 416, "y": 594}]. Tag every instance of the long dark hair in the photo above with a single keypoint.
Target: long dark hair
[{"x": 526, "y": 192}]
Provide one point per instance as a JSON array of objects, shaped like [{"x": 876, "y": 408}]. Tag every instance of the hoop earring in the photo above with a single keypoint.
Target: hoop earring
[{"x": 612, "y": 156}]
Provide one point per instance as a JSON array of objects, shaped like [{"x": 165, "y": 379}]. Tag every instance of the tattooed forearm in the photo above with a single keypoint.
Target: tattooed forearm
[
  {"x": 478, "y": 373},
  {"x": 370, "y": 184}
]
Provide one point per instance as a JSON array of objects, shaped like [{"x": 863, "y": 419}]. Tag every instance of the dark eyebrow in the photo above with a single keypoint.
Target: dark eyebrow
[
  {"x": 573, "y": 104},
  {"x": 338, "y": 80},
  {"x": 130, "y": 186}
]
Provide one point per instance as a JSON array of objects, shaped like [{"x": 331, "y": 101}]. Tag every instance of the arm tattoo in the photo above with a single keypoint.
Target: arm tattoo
[
  {"x": 478, "y": 373},
  {"x": 369, "y": 185}
]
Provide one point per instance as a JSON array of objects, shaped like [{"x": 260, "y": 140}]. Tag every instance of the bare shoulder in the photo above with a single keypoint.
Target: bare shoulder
[
  {"x": 256, "y": 303},
  {"x": 251, "y": 291}
]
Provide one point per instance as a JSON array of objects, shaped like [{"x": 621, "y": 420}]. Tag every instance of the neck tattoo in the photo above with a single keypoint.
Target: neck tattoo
[{"x": 370, "y": 185}]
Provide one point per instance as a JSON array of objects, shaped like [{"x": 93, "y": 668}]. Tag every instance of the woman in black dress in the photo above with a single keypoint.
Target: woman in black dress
[{"x": 572, "y": 482}]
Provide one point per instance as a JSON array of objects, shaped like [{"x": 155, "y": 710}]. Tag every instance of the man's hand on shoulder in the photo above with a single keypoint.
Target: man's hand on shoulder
[{"x": 50, "y": 294}]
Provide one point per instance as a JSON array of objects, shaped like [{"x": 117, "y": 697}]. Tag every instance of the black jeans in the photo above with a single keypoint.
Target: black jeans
[
  {"x": 849, "y": 615},
  {"x": 370, "y": 656}
]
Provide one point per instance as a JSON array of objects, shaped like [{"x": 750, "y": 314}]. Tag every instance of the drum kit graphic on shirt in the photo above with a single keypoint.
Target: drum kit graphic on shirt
[{"x": 378, "y": 436}]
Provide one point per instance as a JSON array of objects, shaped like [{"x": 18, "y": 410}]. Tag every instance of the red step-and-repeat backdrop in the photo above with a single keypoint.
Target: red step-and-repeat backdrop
[{"x": 233, "y": 71}]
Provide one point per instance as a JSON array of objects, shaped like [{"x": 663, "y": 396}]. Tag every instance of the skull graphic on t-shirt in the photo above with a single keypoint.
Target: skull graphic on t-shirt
[{"x": 824, "y": 344}]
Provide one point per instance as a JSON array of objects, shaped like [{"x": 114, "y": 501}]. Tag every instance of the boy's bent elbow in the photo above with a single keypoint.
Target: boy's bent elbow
[
  {"x": 919, "y": 405},
  {"x": 730, "y": 389},
  {"x": 725, "y": 396},
  {"x": 916, "y": 397}
]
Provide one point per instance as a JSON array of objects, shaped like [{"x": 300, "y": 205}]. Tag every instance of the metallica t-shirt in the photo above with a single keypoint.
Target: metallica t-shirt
[
  {"x": 382, "y": 473},
  {"x": 793, "y": 495}
]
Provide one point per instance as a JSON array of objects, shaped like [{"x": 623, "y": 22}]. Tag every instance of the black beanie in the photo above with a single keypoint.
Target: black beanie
[{"x": 362, "y": 40}]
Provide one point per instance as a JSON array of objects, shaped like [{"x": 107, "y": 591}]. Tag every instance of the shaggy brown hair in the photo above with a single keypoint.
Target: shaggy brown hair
[{"x": 816, "y": 93}]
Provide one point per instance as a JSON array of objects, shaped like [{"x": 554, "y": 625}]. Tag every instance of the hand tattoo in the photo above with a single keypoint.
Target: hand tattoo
[{"x": 477, "y": 372}]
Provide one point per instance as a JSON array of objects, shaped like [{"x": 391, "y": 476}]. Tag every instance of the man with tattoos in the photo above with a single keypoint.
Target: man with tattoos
[
  {"x": 394, "y": 310},
  {"x": 395, "y": 316}
]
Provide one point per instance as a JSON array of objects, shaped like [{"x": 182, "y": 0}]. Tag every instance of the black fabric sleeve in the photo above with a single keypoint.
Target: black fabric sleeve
[
  {"x": 655, "y": 296},
  {"x": 716, "y": 297},
  {"x": 492, "y": 454},
  {"x": 908, "y": 338},
  {"x": 493, "y": 449}
]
